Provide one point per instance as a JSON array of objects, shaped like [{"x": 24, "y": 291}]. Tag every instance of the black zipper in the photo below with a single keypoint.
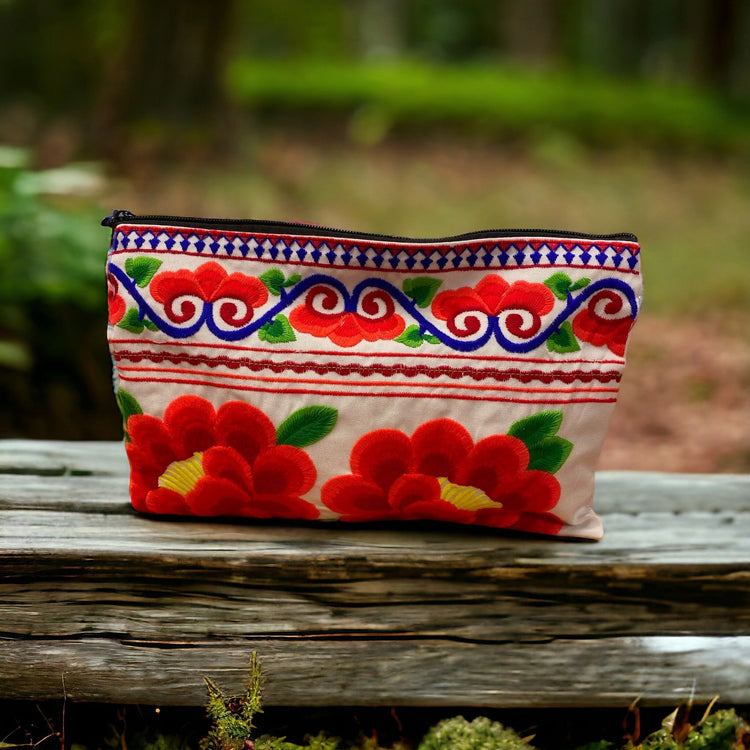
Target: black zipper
[{"x": 120, "y": 216}]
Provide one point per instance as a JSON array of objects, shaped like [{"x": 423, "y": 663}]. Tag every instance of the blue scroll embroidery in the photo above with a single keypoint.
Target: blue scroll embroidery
[{"x": 351, "y": 300}]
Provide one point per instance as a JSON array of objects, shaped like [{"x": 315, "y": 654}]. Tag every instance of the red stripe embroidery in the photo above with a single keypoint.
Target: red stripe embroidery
[
  {"x": 523, "y": 376},
  {"x": 365, "y": 394},
  {"x": 342, "y": 353},
  {"x": 347, "y": 383}
]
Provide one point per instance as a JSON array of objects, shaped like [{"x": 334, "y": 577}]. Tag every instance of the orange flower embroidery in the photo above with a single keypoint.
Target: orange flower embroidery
[
  {"x": 238, "y": 294},
  {"x": 116, "y": 303},
  {"x": 590, "y": 325},
  {"x": 320, "y": 317},
  {"x": 493, "y": 296}
]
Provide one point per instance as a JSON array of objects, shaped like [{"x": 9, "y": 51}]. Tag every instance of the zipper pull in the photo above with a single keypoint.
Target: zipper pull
[{"x": 117, "y": 216}]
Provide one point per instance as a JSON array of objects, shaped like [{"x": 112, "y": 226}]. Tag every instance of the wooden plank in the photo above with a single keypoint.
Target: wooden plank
[
  {"x": 67, "y": 492},
  {"x": 701, "y": 539},
  {"x": 646, "y": 491},
  {"x": 57, "y": 457},
  {"x": 136, "y": 609},
  {"x": 607, "y": 672},
  {"x": 186, "y": 603},
  {"x": 215, "y": 591}
]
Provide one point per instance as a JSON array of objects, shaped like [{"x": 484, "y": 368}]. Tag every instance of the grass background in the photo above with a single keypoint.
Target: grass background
[{"x": 409, "y": 94}]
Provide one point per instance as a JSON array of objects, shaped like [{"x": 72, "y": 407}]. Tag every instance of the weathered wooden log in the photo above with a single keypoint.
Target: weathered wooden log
[
  {"x": 432, "y": 672},
  {"x": 132, "y": 609}
]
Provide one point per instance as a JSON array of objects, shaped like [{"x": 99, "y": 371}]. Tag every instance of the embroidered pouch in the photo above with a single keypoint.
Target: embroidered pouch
[{"x": 278, "y": 370}]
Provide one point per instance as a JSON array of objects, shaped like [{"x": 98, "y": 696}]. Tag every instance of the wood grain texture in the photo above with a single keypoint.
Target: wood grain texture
[
  {"x": 56, "y": 457},
  {"x": 606, "y": 672},
  {"x": 133, "y": 609}
]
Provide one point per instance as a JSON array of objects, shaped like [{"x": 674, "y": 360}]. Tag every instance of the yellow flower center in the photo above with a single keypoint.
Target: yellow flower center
[
  {"x": 465, "y": 498},
  {"x": 182, "y": 476}
]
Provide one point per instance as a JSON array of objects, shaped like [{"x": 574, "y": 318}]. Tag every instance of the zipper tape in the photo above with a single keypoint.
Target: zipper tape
[{"x": 121, "y": 216}]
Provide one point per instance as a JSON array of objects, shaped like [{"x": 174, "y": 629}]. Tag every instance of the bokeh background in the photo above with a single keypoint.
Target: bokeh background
[{"x": 416, "y": 117}]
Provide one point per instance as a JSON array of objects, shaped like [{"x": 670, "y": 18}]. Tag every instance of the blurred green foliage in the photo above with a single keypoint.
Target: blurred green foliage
[
  {"x": 493, "y": 99},
  {"x": 52, "y": 304},
  {"x": 47, "y": 252}
]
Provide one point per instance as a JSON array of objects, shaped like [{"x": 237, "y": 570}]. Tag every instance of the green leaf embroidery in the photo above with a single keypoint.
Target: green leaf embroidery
[
  {"x": 132, "y": 322},
  {"x": 292, "y": 280},
  {"x": 580, "y": 284},
  {"x": 128, "y": 406},
  {"x": 411, "y": 337},
  {"x": 549, "y": 454},
  {"x": 563, "y": 340},
  {"x": 559, "y": 284},
  {"x": 422, "y": 289},
  {"x": 141, "y": 269},
  {"x": 306, "y": 426},
  {"x": 537, "y": 427},
  {"x": 127, "y": 403},
  {"x": 274, "y": 280},
  {"x": 277, "y": 331},
  {"x": 430, "y": 339}
]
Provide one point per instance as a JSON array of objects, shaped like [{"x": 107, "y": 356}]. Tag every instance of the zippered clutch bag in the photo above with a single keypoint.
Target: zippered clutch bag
[{"x": 279, "y": 370}]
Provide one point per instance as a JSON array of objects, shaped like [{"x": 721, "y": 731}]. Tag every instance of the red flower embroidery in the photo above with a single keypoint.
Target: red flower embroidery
[
  {"x": 590, "y": 325},
  {"x": 116, "y": 303},
  {"x": 238, "y": 293},
  {"x": 492, "y": 296},
  {"x": 318, "y": 316},
  {"x": 204, "y": 462},
  {"x": 439, "y": 473}
]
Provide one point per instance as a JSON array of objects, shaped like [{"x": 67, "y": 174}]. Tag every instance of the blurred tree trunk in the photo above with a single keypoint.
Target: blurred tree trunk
[
  {"x": 712, "y": 26},
  {"x": 529, "y": 30},
  {"x": 165, "y": 84},
  {"x": 607, "y": 36},
  {"x": 739, "y": 83}
]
